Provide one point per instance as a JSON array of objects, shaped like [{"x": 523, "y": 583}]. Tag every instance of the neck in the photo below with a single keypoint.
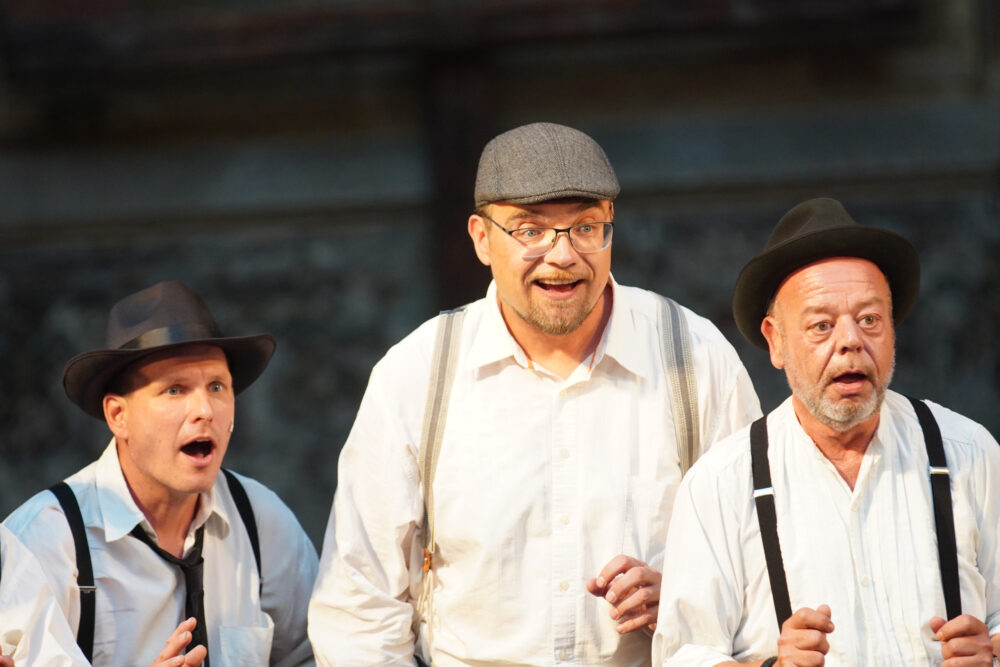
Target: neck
[
  {"x": 561, "y": 354},
  {"x": 844, "y": 449},
  {"x": 170, "y": 514}
]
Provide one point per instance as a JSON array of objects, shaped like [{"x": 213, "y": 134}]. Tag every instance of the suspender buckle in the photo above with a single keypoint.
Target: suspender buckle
[
  {"x": 428, "y": 560},
  {"x": 936, "y": 470},
  {"x": 87, "y": 589}
]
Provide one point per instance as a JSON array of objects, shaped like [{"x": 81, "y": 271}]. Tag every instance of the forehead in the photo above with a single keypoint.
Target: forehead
[
  {"x": 840, "y": 279},
  {"x": 186, "y": 357},
  {"x": 550, "y": 209}
]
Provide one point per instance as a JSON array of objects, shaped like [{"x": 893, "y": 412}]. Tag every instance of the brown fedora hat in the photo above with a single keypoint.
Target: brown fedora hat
[
  {"x": 813, "y": 230},
  {"x": 168, "y": 314}
]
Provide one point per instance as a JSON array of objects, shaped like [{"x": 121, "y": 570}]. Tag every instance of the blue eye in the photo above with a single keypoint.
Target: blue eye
[{"x": 173, "y": 391}]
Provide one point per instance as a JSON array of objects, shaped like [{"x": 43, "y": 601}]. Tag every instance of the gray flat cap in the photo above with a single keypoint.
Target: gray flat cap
[{"x": 543, "y": 161}]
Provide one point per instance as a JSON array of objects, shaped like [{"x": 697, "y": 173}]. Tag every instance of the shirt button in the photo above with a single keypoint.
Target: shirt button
[
  {"x": 865, "y": 581},
  {"x": 564, "y": 519},
  {"x": 560, "y": 655},
  {"x": 564, "y": 453},
  {"x": 564, "y": 585}
]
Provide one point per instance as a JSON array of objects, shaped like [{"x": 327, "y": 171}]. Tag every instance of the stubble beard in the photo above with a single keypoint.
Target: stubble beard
[
  {"x": 841, "y": 416},
  {"x": 554, "y": 319}
]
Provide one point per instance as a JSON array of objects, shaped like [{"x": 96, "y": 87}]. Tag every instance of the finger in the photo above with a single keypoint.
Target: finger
[
  {"x": 638, "y": 620},
  {"x": 176, "y": 642},
  {"x": 594, "y": 589},
  {"x": 616, "y": 566},
  {"x": 636, "y": 601},
  {"x": 965, "y": 646},
  {"x": 936, "y": 623},
  {"x": 6, "y": 661},
  {"x": 195, "y": 656},
  {"x": 965, "y": 625},
  {"x": 809, "y": 619},
  {"x": 638, "y": 577}
]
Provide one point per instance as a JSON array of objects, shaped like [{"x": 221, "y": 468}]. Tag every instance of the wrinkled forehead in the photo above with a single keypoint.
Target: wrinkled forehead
[{"x": 848, "y": 278}]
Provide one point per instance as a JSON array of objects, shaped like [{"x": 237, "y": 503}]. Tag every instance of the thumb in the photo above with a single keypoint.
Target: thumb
[
  {"x": 825, "y": 610},
  {"x": 936, "y": 624}
]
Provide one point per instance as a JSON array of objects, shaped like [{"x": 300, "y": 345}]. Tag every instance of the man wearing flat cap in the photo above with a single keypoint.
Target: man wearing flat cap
[
  {"x": 503, "y": 496},
  {"x": 852, "y": 525},
  {"x": 152, "y": 550}
]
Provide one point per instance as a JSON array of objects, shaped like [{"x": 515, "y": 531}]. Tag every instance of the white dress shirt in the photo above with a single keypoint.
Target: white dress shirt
[
  {"x": 540, "y": 482},
  {"x": 140, "y": 596},
  {"x": 870, "y": 553},
  {"x": 33, "y": 629}
]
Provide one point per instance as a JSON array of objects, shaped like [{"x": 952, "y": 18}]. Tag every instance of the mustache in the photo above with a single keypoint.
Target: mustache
[{"x": 865, "y": 368}]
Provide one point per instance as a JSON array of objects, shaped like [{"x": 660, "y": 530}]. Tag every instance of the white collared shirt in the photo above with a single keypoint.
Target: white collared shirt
[
  {"x": 870, "y": 553},
  {"x": 540, "y": 482},
  {"x": 33, "y": 629},
  {"x": 140, "y": 596}
]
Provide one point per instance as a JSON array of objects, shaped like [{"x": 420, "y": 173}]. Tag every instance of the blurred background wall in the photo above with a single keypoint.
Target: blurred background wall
[{"x": 307, "y": 166}]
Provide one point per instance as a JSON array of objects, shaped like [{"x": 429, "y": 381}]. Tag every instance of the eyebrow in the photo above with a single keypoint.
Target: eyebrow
[
  {"x": 866, "y": 303},
  {"x": 523, "y": 213}
]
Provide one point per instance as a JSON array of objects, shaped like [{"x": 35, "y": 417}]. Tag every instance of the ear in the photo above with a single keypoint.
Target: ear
[
  {"x": 115, "y": 412},
  {"x": 478, "y": 231},
  {"x": 772, "y": 334}
]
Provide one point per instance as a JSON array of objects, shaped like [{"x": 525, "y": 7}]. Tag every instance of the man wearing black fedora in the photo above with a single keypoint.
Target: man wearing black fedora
[
  {"x": 504, "y": 494},
  {"x": 151, "y": 550},
  {"x": 852, "y": 525}
]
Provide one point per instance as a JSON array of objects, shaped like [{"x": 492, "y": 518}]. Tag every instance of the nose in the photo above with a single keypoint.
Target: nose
[
  {"x": 850, "y": 336},
  {"x": 201, "y": 405},
  {"x": 562, "y": 251}
]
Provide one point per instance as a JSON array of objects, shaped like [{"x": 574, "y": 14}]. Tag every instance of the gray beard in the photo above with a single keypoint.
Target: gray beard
[{"x": 839, "y": 417}]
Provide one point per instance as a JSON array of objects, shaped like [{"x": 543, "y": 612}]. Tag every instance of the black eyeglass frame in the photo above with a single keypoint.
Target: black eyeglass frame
[{"x": 555, "y": 237}]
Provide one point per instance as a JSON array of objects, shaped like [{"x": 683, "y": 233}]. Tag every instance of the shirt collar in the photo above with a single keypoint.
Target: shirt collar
[
  {"x": 621, "y": 336},
  {"x": 118, "y": 508},
  {"x": 493, "y": 342}
]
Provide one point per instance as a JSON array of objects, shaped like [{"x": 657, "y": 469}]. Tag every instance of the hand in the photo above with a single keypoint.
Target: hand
[
  {"x": 6, "y": 661},
  {"x": 803, "y": 637},
  {"x": 966, "y": 637},
  {"x": 172, "y": 653},
  {"x": 632, "y": 588}
]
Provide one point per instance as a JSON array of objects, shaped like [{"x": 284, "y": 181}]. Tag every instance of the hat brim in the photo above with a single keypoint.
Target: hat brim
[
  {"x": 87, "y": 376},
  {"x": 760, "y": 278}
]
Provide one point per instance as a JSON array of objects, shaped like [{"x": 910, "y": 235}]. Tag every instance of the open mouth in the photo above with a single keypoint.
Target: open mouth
[
  {"x": 198, "y": 448},
  {"x": 850, "y": 382},
  {"x": 558, "y": 286}
]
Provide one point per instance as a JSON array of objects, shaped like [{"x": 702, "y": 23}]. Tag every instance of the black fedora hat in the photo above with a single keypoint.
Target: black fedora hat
[
  {"x": 813, "y": 230},
  {"x": 166, "y": 315}
]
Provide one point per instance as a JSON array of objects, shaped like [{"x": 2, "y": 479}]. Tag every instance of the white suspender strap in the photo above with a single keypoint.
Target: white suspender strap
[
  {"x": 435, "y": 415},
  {"x": 679, "y": 370}
]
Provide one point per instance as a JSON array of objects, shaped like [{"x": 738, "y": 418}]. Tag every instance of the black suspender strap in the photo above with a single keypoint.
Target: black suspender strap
[
  {"x": 85, "y": 570},
  {"x": 944, "y": 519},
  {"x": 763, "y": 496},
  {"x": 249, "y": 520}
]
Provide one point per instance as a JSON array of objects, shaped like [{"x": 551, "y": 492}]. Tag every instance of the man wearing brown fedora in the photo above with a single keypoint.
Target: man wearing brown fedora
[
  {"x": 151, "y": 550},
  {"x": 33, "y": 630},
  {"x": 852, "y": 525},
  {"x": 504, "y": 494}
]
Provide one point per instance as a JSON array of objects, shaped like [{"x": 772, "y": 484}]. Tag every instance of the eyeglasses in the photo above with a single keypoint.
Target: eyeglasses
[{"x": 585, "y": 237}]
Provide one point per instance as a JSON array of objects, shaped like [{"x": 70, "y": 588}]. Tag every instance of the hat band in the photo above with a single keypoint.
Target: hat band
[{"x": 176, "y": 333}]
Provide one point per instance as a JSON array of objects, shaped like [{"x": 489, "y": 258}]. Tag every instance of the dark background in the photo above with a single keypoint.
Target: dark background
[{"x": 307, "y": 166}]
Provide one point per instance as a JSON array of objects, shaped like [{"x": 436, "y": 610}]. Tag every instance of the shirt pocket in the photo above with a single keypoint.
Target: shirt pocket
[{"x": 246, "y": 645}]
